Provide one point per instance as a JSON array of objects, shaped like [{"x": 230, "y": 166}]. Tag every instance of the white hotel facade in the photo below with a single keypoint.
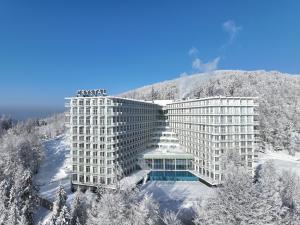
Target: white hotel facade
[{"x": 188, "y": 135}]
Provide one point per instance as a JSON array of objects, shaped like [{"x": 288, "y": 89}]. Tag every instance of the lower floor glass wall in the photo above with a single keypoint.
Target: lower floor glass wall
[{"x": 169, "y": 164}]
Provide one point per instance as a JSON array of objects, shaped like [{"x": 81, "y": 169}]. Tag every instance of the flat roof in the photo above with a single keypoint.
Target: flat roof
[
  {"x": 161, "y": 153},
  {"x": 114, "y": 97},
  {"x": 165, "y": 102},
  {"x": 208, "y": 98}
]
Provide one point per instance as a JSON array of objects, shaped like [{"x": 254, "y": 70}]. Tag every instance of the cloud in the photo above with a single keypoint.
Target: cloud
[
  {"x": 207, "y": 67},
  {"x": 232, "y": 29},
  {"x": 187, "y": 84},
  {"x": 193, "y": 51}
]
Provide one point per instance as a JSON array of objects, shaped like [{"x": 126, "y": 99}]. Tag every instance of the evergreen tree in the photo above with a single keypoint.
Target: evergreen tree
[
  {"x": 236, "y": 202},
  {"x": 58, "y": 205},
  {"x": 64, "y": 217},
  {"x": 290, "y": 195},
  {"x": 60, "y": 201},
  {"x": 78, "y": 209},
  {"x": 268, "y": 187}
]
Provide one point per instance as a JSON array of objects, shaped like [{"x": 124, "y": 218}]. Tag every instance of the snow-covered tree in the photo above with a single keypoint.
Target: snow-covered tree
[
  {"x": 268, "y": 187},
  {"x": 52, "y": 126},
  {"x": 60, "y": 209},
  {"x": 290, "y": 195},
  {"x": 145, "y": 211},
  {"x": 123, "y": 207},
  {"x": 60, "y": 200},
  {"x": 64, "y": 217},
  {"x": 5, "y": 124},
  {"x": 171, "y": 218},
  {"x": 294, "y": 143},
  {"x": 78, "y": 209},
  {"x": 241, "y": 201},
  {"x": 100, "y": 190}
]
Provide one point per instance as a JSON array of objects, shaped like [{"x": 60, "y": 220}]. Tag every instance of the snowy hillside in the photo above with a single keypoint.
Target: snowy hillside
[
  {"x": 279, "y": 98},
  {"x": 54, "y": 170}
]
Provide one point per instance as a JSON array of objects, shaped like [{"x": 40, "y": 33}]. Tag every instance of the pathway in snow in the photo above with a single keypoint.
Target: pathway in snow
[{"x": 54, "y": 170}]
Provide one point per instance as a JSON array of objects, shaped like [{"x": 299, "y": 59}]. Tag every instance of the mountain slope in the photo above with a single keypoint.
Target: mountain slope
[{"x": 279, "y": 98}]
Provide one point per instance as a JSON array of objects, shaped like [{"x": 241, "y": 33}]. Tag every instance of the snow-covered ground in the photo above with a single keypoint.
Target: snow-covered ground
[
  {"x": 282, "y": 160},
  {"x": 133, "y": 179},
  {"x": 54, "y": 171},
  {"x": 178, "y": 196}
]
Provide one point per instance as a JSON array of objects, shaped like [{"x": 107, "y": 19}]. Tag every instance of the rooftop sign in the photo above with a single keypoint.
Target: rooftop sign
[{"x": 91, "y": 93}]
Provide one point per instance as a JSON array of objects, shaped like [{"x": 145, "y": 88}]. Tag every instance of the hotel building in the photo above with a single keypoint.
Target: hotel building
[
  {"x": 190, "y": 135},
  {"x": 211, "y": 128}
]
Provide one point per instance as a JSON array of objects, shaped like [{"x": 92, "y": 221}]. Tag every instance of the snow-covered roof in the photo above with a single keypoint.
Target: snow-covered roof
[
  {"x": 162, "y": 102},
  {"x": 167, "y": 153}
]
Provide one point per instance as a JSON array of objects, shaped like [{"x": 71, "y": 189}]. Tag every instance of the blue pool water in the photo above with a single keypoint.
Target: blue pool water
[{"x": 172, "y": 176}]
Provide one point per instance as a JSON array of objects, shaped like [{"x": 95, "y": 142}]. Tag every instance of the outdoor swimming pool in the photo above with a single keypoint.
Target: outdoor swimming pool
[{"x": 172, "y": 176}]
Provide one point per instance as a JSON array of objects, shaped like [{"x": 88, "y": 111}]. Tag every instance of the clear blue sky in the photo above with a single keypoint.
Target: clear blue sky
[{"x": 49, "y": 49}]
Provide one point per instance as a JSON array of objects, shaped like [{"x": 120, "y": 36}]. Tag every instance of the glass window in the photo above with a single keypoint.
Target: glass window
[
  {"x": 158, "y": 164},
  {"x": 170, "y": 164},
  {"x": 148, "y": 163},
  {"x": 74, "y": 177},
  {"x": 95, "y": 179},
  {"x": 181, "y": 164}
]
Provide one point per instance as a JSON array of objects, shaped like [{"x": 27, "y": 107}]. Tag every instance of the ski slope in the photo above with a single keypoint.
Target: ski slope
[{"x": 54, "y": 171}]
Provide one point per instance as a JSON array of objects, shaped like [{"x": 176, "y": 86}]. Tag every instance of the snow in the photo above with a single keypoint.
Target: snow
[
  {"x": 54, "y": 170},
  {"x": 41, "y": 214},
  {"x": 177, "y": 196},
  {"x": 161, "y": 153},
  {"x": 133, "y": 179},
  {"x": 282, "y": 160},
  {"x": 163, "y": 102}
]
